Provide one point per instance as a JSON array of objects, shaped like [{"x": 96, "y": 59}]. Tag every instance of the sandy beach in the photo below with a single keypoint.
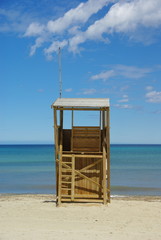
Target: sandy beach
[{"x": 37, "y": 217}]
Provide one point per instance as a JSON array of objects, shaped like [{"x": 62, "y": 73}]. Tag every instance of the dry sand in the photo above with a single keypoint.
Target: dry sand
[{"x": 37, "y": 217}]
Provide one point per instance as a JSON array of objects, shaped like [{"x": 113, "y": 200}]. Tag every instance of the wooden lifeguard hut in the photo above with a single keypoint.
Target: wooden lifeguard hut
[{"x": 82, "y": 153}]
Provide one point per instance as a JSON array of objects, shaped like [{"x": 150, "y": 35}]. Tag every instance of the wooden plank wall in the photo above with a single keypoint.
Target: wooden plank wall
[
  {"x": 67, "y": 133},
  {"x": 83, "y": 188},
  {"x": 86, "y": 139}
]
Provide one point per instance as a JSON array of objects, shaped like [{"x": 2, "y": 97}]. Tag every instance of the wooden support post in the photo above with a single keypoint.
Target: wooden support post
[
  {"x": 108, "y": 151},
  {"x": 55, "y": 132},
  {"x": 60, "y": 158},
  {"x": 73, "y": 178},
  {"x": 72, "y": 118},
  {"x": 100, "y": 139},
  {"x": 104, "y": 162},
  {"x": 56, "y": 148},
  {"x": 72, "y": 130}
]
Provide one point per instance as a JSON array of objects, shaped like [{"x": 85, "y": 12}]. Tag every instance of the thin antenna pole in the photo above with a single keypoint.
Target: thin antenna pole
[{"x": 60, "y": 73}]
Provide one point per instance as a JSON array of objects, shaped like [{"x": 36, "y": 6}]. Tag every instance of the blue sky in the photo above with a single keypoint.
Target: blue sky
[{"x": 110, "y": 49}]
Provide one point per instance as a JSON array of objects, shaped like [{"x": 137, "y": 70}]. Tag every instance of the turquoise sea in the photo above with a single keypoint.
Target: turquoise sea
[{"x": 135, "y": 169}]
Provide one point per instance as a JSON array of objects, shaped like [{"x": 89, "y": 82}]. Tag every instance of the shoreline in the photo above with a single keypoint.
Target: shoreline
[{"x": 113, "y": 197}]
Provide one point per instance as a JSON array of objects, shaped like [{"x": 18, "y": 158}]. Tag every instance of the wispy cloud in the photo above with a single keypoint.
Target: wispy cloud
[
  {"x": 40, "y": 90},
  {"x": 124, "y": 88},
  {"x": 149, "y": 88},
  {"x": 92, "y": 91},
  {"x": 14, "y": 20},
  {"x": 68, "y": 90},
  {"x": 76, "y": 16},
  {"x": 53, "y": 48},
  {"x": 63, "y": 27},
  {"x": 127, "y": 17},
  {"x": 153, "y": 97},
  {"x": 104, "y": 75},
  {"x": 89, "y": 91},
  {"x": 34, "y": 29},
  {"x": 77, "y": 25},
  {"x": 128, "y": 107},
  {"x": 124, "y": 99},
  {"x": 16, "y": 16},
  {"x": 123, "y": 106},
  {"x": 131, "y": 72}
]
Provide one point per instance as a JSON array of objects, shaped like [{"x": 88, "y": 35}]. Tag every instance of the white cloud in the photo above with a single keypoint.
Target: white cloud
[
  {"x": 74, "y": 30},
  {"x": 40, "y": 90},
  {"x": 124, "y": 99},
  {"x": 88, "y": 91},
  {"x": 124, "y": 88},
  {"x": 104, "y": 75},
  {"x": 14, "y": 20},
  {"x": 79, "y": 14},
  {"x": 153, "y": 97},
  {"x": 38, "y": 43},
  {"x": 123, "y": 106},
  {"x": 34, "y": 29},
  {"x": 131, "y": 72},
  {"x": 127, "y": 17},
  {"x": 54, "y": 47},
  {"x": 68, "y": 90},
  {"x": 66, "y": 24},
  {"x": 149, "y": 88}
]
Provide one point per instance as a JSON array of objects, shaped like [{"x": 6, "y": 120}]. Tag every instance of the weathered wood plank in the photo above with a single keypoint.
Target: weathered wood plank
[
  {"x": 60, "y": 156},
  {"x": 80, "y": 174},
  {"x": 81, "y": 102},
  {"x": 108, "y": 152},
  {"x": 91, "y": 165},
  {"x": 83, "y": 200},
  {"x": 73, "y": 178},
  {"x": 83, "y": 156},
  {"x": 56, "y": 148},
  {"x": 104, "y": 162}
]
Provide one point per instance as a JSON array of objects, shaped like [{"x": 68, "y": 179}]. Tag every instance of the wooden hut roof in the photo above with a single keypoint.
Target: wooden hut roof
[{"x": 81, "y": 102}]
